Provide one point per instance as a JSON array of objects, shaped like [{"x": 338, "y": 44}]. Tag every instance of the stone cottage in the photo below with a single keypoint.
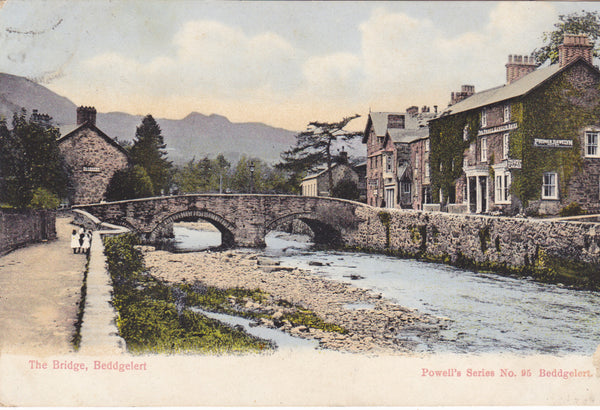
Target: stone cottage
[
  {"x": 529, "y": 145},
  {"x": 92, "y": 157},
  {"x": 398, "y": 158},
  {"x": 318, "y": 184}
]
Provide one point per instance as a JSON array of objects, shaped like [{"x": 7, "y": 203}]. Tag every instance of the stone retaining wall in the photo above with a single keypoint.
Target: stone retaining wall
[
  {"x": 478, "y": 239},
  {"x": 19, "y": 228}
]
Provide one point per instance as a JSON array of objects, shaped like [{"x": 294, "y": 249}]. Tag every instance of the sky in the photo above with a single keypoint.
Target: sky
[{"x": 280, "y": 63}]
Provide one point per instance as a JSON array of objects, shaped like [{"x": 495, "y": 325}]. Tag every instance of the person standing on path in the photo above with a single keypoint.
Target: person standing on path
[
  {"x": 85, "y": 246},
  {"x": 75, "y": 241}
]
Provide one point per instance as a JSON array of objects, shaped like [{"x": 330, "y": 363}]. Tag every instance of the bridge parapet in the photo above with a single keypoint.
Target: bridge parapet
[{"x": 243, "y": 220}]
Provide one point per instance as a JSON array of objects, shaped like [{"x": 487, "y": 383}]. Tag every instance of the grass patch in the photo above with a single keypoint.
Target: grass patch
[{"x": 153, "y": 316}]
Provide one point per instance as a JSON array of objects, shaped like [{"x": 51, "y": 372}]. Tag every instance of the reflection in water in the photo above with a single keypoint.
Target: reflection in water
[{"x": 488, "y": 312}]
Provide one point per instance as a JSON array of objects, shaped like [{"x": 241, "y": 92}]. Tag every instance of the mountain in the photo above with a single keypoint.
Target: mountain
[{"x": 196, "y": 135}]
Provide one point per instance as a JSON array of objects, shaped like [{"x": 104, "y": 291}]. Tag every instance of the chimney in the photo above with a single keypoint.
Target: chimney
[
  {"x": 574, "y": 46},
  {"x": 518, "y": 67},
  {"x": 412, "y": 110},
  {"x": 86, "y": 114},
  {"x": 465, "y": 92},
  {"x": 435, "y": 109}
]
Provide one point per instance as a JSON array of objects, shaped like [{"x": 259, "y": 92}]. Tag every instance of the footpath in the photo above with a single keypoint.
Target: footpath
[{"x": 40, "y": 289}]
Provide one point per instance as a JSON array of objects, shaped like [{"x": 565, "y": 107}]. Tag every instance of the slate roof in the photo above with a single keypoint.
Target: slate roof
[
  {"x": 415, "y": 126},
  {"x": 70, "y": 130},
  {"x": 507, "y": 91}
]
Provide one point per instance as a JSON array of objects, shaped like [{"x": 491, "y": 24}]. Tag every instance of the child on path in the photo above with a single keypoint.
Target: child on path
[
  {"x": 75, "y": 241},
  {"x": 87, "y": 238}
]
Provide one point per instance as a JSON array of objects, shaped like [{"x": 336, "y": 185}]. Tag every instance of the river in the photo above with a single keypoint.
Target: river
[{"x": 488, "y": 313}]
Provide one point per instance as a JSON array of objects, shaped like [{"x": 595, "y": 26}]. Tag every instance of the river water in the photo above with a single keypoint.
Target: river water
[{"x": 488, "y": 313}]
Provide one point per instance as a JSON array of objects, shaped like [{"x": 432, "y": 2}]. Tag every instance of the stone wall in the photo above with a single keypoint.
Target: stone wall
[
  {"x": 508, "y": 244},
  {"x": 19, "y": 228}
]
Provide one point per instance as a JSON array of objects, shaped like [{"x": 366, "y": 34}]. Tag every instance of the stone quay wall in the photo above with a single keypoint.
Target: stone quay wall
[
  {"x": 19, "y": 228},
  {"x": 478, "y": 240}
]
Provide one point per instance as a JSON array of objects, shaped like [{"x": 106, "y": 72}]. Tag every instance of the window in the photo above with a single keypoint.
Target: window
[
  {"x": 550, "y": 187},
  {"x": 503, "y": 187},
  {"x": 426, "y": 169},
  {"x": 405, "y": 187},
  {"x": 389, "y": 163},
  {"x": 426, "y": 145},
  {"x": 466, "y": 133},
  {"x": 506, "y": 112},
  {"x": 483, "y": 149},
  {"x": 505, "y": 146},
  {"x": 484, "y": 117},
  {"x": 591, "y": 144}
]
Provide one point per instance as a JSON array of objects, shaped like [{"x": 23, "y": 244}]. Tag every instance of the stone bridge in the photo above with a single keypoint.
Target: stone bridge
[{"x": 242, "y": 219}]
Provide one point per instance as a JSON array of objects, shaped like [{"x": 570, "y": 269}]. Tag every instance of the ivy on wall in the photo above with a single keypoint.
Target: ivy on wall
[
  {"x": 560, "y": 109},
  {"x": 447, "y": 150}
]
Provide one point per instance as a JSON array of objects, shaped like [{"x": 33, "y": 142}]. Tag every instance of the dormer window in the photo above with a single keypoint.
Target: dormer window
[{"x": 395, "y": 121}]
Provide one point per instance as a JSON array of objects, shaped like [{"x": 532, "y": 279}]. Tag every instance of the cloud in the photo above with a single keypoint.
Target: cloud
[
  {"x": 258, "y": 74},
  {"x": 413, "y": 61}
]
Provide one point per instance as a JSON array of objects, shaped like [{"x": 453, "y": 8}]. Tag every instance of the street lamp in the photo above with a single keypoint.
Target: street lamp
[{"x": 251, "y": 176}]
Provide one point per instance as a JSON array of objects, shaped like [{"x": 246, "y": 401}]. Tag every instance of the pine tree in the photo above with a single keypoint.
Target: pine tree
[
  {"x": 313, "y": 148},
  {"x": 148, "y": 151}
]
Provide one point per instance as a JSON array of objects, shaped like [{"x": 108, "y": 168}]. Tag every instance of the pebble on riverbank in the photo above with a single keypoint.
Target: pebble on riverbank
[{"x": 378, "y": 327}]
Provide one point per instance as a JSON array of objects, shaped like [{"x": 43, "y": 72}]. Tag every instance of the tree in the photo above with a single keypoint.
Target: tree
[
  {"x": 15, "y": 182},
  {"x": 148, "y": 151},
  {"x": 31, "y": 165},
  {"x": 586, "y": 22},
  {"x": 42, "y": 155},
  {"x": 314, "y": 148},
  {"x": 203, "y": 176},
  {"x": 346, "y": 189},
  {"x": 264, "y": 179},
  {"x": 129, "y": 183}
]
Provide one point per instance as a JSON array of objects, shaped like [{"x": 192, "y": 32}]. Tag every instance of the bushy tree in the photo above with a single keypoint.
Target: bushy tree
[
  {"x": 264, "y": 179},
  {"x": 314, "y": 148},
  {"x": 30, "y": 163},
  {"x": 15, "y": 183},
  {"x": 149, "y": 152},
  {"x": 129, "y": 183},
  {"x": 44, "y": 199},
  {"x": 586, "y": 22},
  {"x": 346, "y": 189},
  {"x": 205, "y": 175}
]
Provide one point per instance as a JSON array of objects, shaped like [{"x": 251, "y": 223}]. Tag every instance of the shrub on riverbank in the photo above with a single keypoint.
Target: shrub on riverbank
[{"x": 153, "y": 317}]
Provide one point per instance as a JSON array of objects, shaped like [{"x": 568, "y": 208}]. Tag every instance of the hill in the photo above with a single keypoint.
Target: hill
[{"x": 196, "y": 135}]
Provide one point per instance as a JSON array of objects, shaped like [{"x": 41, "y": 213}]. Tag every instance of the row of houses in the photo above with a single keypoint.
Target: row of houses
[{"x": 529, "y": 146}]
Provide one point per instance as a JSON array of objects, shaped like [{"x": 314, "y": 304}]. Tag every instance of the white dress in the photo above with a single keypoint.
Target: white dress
[
  {"x": 75, "y": 241},
  {"x": 86, "y": 243}
]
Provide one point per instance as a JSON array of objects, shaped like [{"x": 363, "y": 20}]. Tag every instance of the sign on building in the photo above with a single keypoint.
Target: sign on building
[{"x": 550, "y": 143}]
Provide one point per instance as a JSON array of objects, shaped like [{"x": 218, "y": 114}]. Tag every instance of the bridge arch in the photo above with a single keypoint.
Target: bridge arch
[
  {"x": 323, "y": 232},
  {"x": 223, "y": 225}
]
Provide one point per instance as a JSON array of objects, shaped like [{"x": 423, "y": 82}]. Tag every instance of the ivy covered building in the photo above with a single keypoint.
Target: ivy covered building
[{"x": 531, "y": 145}]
